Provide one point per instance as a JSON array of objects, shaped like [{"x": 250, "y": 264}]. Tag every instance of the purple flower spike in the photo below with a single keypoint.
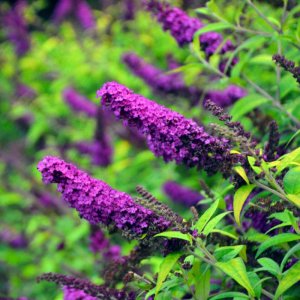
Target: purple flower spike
[
  {"x": 99, "y": 151},
  {"x": 84, "y": 14},
  {"x": 79, "y": 102},
  {"x": 78, "y": 8},
  {"x": 181, "y": 194},
  {"x": 13, "y": 239},
  {"x": 169, "y": 134},
  {"x": 226, "y": 97},
  {"x": 16, "y": 28},
  {"x": 96, "y": 201},
  {"x": 183, "y": 27},
  {"x": 157, "y": 80},
  {"x": 98, "y": 241},
  {"x": 74, "y": 294}
]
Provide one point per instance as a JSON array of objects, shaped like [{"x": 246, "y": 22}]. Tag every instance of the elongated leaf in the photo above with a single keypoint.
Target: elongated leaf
[
  {"x": 229, "y": 295},
  {"x": 239, "y": 199},
  {"x": 175, "y": 235},
  {"x": 288, "y": 159},
  {"x": 165, "y": 269},
  {"x": 214, "y": 222},
  {"x": 296, "y": 133},
  {"x": 200, "y": 224},
  {"x": 204, "y": 285},
  {"x": 277, "y": 240},
  {"x": 291, "y": 181},
  {"x": 255, "y": 283},
  {"x": 291, "y": 277},
  {"x": 240, "y": 170},
  {"x": 270, "y": 265},
  {"x": 213, "y": 27},
  {"x": 236, "y": 269},
  {"x": 247, "y": 104},
  {"x": 225, "y": 233},
  {"x": 294, "y": 249},
  {"x": 295, "y": 199},
  {"x": 228, "y": 252}
]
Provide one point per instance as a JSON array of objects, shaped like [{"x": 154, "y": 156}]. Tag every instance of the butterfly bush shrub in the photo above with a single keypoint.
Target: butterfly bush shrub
[{"x": 167, "y": 162}]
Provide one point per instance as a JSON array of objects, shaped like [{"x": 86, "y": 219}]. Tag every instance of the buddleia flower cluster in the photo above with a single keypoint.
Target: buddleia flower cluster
[
  {"x": 169, "y": 134},
  {"x": 78, "y": 8},
  {"x": 157, "y": 79},
  {"x": 181, "y": 194},
  {"x": 100, "y": 149},
  {"x": 183, "y": 27},
  {"x": 97, "y": 202},
  {"x": 16, "y": 27}
]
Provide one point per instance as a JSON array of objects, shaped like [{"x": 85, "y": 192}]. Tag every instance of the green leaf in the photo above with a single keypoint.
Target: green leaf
[
  {"x": 229, "y": 295},
  {"x": 203, "y": 11},
  {"x": 251, "y": 43},
  {"x": 251, "y": 161},
  {"x": 176, "y": 235},
  {"x": 200, "y": 224},
  {"x": 225, "y": 233},
  {"x": 256, "y": 284},
  {"x": 214, "y": 222},
  {"x": 277, "y": 240},
  {"x": 213, "y": 27},
  {"x": 239, "y": 199},
  {"x": 236, "y": 269},
  {"x": 294, "y": 249},
  {"x": 247, "y": 104},
  {"x": 288, "y": 159},
  {"x": 241, "y": 171},
  {"x": 294, "y": 198},
  {"x": 291, "y": 181},
  {"x": 228, "y": 252},
  {"x": 269, "y": 265},
  {"x": 203, "y": 285},
  {"x": 165, "y": 268},
  {"x": 291, "y": 277}
]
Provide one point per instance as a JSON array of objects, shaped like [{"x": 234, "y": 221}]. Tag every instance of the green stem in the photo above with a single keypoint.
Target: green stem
[
  {"x": 268, "y": 294},
  {"x": 278, "y": 73},
  {"x": 265, "y": 187},
  {"x": 263, "y": 16}
]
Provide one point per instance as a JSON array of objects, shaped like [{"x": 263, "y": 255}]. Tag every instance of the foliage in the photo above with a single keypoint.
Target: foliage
[{"x": 240, "y": 239}]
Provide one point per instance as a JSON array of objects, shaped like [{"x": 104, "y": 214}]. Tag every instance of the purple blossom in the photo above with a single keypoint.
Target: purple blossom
[
  {"x": 169, "y": 134},
  {"x": 100, "y": 244},
  {"x": 99, "y": 151},
  {"x": 226, "y": 97},
  {"x": 183, "y": 27},
  {"x": 129, "y": 9},
  {"x": 98, "y": 241},
  {"x": 16, "y": 28},
  {"x": 74, "y": 294},
  {"x": 157, "y": 80},
  {"x": 14, "y": 240},
  {"x": 79, "y": 102},
  {"x": 96, "y": 201},
  {"x": 113, "y": 253},
  {"x": 210, "y": 42},
  {"x": 181, "y": 194},
  {"x": 24, "y": 91},
  {"x": 84, "y": 14},
  {"x": 78, "y": 8}
]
